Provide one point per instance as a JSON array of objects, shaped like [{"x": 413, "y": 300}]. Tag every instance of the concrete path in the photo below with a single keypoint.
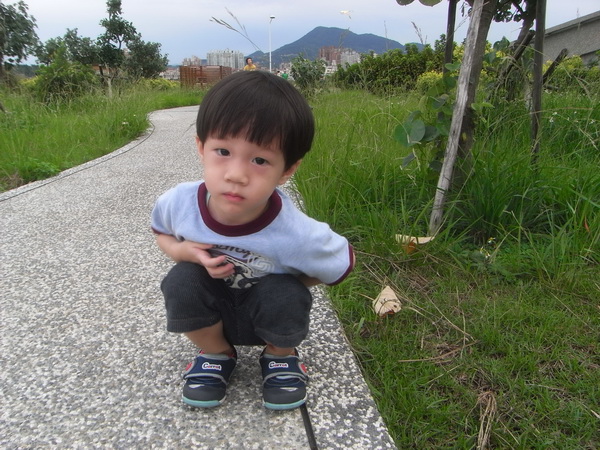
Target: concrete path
[{"x": 85, "y": 361}]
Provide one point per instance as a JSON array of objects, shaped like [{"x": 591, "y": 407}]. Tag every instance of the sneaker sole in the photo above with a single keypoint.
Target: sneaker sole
[
  {"x": 202, "y": 404},
  {"x": 284, "y": 406}
]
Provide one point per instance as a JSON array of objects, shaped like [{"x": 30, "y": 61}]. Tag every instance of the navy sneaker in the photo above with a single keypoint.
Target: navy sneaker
[
  {"x": 284, "y": 381},
  {"x": 206, "y": 379}
]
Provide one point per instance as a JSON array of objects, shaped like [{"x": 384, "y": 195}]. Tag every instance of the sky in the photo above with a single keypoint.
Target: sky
[{"x": 184, "y": 27}]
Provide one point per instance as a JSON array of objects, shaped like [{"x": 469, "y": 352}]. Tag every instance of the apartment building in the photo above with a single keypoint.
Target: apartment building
[{"x": 226, "y": 58}]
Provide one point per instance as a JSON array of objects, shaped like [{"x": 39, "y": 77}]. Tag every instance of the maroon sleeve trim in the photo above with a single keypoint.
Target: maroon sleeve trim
[{"x": 350, "y": 268}]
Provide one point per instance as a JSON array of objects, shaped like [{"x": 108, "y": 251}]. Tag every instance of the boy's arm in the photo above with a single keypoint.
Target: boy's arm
[
  {"x": 177, "y": 250},
  {"x": 312, "y": 281},
  {"x": 309, "y": 281},
  {"x": 194, "y": 252}
]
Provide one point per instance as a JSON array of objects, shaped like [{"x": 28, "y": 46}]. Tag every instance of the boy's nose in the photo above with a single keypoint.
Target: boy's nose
[{"x": 236, "y": 173}]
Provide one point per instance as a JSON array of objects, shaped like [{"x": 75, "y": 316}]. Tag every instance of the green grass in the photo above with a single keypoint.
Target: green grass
[
  {"x": 497, "y": 342},
  {"x": 40, "y": 140},
  {"x": 500, "y": 333}
]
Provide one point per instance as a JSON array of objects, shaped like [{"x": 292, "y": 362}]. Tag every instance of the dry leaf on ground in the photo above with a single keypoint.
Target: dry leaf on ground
[
  {"x": 410, "y": 243},
  {"x": 387, "y": 302}
]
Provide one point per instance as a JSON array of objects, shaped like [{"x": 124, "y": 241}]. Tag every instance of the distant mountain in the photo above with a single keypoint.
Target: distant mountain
[{"x": 308, "y": 46}]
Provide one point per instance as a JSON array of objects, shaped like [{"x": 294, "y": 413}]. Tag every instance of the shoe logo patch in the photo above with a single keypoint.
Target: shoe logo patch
[
  {"x": 209, "y": 366},
  {"x": 278, "y": 365}
]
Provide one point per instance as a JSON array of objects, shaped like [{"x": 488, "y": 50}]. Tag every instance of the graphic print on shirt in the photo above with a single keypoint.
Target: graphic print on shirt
[{"x": 248, "y": 267}]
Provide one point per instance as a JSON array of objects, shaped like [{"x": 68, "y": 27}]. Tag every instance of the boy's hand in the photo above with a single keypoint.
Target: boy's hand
[
  {"x": 217, "y": 267},
  {"x": 195, "y": 252}
]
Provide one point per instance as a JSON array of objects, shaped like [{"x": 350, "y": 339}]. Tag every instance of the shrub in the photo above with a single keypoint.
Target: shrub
[
  {"x": 426, "y": 81},
  {"x": 33, "y": 169},
  {"x": 308, "y": 75},
  {"x": 157, "y": 84},
  {"x": 28, "y": 84},
  {"x": 573, "y": 75},
  {"x": 391, "y": 71},
  {"x": 64, "y": 80}
]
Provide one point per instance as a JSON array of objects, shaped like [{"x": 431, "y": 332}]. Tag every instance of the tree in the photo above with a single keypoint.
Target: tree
[
  {"x": 463, "y": 121},
  {"x": 80, "y": 49},
  {"x": 17, "y": 35},
  {"x": 460, "y": 139},
  {"x": 518, "y": 11},
  {"x": 119, "y": 49},
  {"x": 112, "y": 43},
  {"x": 144, "y": 59},
  {"x": 77, "y": 49},
  {"x": 307, "y": 74}
]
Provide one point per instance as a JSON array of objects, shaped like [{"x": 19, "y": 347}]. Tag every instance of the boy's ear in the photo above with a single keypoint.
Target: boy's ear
[
  {"x": 200, "y": 146},
  {"x": 289, "y": 172}
]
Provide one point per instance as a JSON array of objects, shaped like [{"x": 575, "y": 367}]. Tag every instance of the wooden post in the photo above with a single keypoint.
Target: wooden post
[
  {"x": 538, "y": 62},
  {"x": 458, "y": 114},
  {"x": 449, "y": 34},
  {"x": 562, "y": 55}
]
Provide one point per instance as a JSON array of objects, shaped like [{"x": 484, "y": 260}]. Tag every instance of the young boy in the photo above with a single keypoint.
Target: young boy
[{"x": 245, "y": 254}]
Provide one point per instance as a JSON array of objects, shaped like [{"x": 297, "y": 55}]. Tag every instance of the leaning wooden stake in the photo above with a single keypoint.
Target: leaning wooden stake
[
  {"x": 450, "y": 34},
  {"x": 538, "y": 62},
  {"x": 460, "y": 109}
]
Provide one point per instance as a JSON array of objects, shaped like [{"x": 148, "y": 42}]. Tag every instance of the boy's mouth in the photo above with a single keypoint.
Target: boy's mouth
[{"x": 233, "y": 197}]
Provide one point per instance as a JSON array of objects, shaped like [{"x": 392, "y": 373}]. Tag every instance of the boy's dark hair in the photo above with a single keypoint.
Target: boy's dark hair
[{"x": 260, "y": 107}]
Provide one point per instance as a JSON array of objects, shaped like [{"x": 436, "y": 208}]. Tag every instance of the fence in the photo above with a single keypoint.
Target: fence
[{"x": 199, "y": 76}]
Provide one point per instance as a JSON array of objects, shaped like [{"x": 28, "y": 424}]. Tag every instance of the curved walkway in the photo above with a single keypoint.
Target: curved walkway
[{"x": 85, "y": 359}]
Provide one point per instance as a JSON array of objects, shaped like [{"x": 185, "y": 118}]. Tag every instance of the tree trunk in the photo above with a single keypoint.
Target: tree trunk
[
  {"x": 503, "y": 77},
  {"x": 538, "y": 62},
  {"x": 450, "y": 34},
  {"x": 525, "y": 29},
  {"x": 462, "y": 117},
  {"x": 487, "y": 14}
]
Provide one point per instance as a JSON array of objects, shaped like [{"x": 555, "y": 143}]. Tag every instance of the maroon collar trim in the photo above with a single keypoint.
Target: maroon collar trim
[{"x": 255, "y": 226}]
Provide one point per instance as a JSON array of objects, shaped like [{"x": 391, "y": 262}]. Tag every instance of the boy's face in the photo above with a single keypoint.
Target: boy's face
[{"x": 240, "y": 177}]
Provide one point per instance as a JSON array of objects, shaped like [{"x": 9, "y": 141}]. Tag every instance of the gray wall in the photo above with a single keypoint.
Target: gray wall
[{"x": 580, "y": 37}]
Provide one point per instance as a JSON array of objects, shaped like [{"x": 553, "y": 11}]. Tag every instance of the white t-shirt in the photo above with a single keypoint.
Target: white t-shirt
[{"x": 282, "y": 240}]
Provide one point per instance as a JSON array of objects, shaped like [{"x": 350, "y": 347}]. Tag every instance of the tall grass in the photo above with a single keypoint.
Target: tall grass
[
  {"x": 39, "y": 140},
  {"x": 497, "y": 341}
]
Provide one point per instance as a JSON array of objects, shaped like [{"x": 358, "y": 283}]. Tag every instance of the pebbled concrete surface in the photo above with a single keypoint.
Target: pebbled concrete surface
[{"x": 85, "y": 361}]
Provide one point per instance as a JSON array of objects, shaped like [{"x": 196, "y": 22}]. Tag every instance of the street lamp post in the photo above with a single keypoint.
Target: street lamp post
[{"x": 270, "y": 20}]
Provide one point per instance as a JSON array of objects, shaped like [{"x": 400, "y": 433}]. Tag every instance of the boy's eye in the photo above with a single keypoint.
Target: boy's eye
[
  {"x": 260, "y": 161},
  {"x": 222, "y": 152}
]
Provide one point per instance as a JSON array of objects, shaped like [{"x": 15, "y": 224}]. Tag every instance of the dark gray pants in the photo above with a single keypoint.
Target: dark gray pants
[{"x": 275, "y": 310}]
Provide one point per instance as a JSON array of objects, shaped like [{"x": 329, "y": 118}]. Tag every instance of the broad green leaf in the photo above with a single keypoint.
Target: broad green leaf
[
  {"x": 413, "y": 115},
  {"x": 450, "y": 82},
  {"x": 431, "y": 133},
  {"x": 440, "y": 101},
  {"x": 416, "y": 132},
  {"x": 401, "y": 135},
  {"x": 444, "y": 128},
  {"x": 437, "y": 89},
  {"x": 489, "y": 57}
]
